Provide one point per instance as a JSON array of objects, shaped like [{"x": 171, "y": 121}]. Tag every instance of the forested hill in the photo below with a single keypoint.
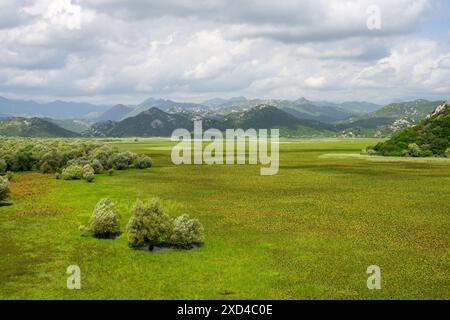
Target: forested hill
[{"x": 430, "y": 137}]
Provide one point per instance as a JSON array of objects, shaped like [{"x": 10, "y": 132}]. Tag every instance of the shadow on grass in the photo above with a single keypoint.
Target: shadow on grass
[{"x": 5, "y": 204}]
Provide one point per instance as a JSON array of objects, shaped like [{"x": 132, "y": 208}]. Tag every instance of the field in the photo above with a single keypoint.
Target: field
[{"x": 309, "y": 232}]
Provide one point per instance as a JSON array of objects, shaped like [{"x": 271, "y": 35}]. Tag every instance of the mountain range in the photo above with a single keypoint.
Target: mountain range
[
  {"x": 54, "y": 110},
  {"x": 159, "y": 117},
  {"x": 155, "y": 122}
]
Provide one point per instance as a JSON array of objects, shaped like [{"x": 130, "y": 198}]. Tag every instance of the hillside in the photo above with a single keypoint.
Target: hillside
[
  {"x": 430, "y": 137},
  {"x": 155, "y": 122},
  {"x": 151, "y": 123},
  {"x": 161, "y": 104},
  {"x": 116, "y": 113},
  {"x": 300, "y": 109},
  {"x": 389, "y": 119},
  {"x": 270, "y": 117},
  {"x": 74, "y": 125},
  {"x": 34, "y": 127}
]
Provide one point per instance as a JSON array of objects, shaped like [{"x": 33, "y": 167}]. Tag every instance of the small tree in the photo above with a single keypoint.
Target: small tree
[
  {"x": 148, "y": 225},
  {"x": 105, "y": 220},
  {"x": 186, "y": 232},
  {"x": 4, "y": 188}
]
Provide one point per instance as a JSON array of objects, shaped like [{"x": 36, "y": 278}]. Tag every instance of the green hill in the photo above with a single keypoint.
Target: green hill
[
  {"x": 430, "y": 137},
  {"x": 389, "y": 119},
  {"x": 155, "y": 122},
  {"x": 33, "y": 127},
  {"x": 269, "y": 117}
]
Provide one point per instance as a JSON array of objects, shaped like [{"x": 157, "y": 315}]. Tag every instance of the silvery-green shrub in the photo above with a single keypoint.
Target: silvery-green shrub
[
  {"x": 186, "y": 232},
  {"x": 148, "y": 225},
  {"x": 89, "y": 176},
  {"x": 143, "y": 162},
  {"x": 105, "y": 220},
  {"x": 4, "y": 188},
  {"x": 72, "y": 172},
  {"x": 97, "y": 166}
]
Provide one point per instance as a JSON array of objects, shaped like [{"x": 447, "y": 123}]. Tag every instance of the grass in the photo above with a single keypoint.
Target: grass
[{"x": 309, "y": 232}]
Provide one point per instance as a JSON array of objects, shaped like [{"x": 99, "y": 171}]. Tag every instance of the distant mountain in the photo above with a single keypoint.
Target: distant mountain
[
  {"x": 155, "y": 122},
  {"x": 161, "y": 104},
  {"x": 116, "y": 113},
  {"x": 390, "y": 119},
  {"x": 55, "y": 110},
  {"x": 100, "y": 129},
  {"x": 414, "y": 110},
  {"x": 356, "y": 107},
  {"x": 300, "y": 108},
  {"x": 4, "y": 116},
  {"x": 74, "y": 125},
  {"x": 32, "y": 127},
  {"x": 430, "y": 137},
  {"x": 219, "y": 102},
  {"x": 151, "y": 123}
]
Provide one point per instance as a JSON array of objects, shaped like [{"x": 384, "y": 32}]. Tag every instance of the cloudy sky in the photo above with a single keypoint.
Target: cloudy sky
[{"x": 122, "y": 51}]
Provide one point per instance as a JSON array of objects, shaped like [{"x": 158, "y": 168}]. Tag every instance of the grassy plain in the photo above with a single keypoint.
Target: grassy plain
[{"x": 309, "y": 232}]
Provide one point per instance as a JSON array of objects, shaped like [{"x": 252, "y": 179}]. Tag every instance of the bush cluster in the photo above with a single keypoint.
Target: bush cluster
[
  {"x": 66, "y": 156},
  {"x": 149, "y": 225}
]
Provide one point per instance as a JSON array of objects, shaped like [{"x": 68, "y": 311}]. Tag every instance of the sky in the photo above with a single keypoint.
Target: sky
[{"x": 113, "y": 51}]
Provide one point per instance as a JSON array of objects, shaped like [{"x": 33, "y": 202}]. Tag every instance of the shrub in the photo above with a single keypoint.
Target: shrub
[
  {"x": 447, "y": 153},
  {"x": 89, "y": 176},
  {"x": 110, "y": 172},
  {"x": 73, "y": 172},
  {"x": 105, "y": 220},
  {"x": 148, "y": 225},
  {"x": 58, "y": 176},
  {"x": 10, "y": 175},
  {"x": 79, "y": 162},
  {"x": 45, "y": 168},
  {"x": 121, "y": 161},
  {"x": 414, "y": 150},
  {"x": 23, "y": 160},
  {"x": 51, "y": 161},
  {"x": 3, "y": 166},
  {"x": 143, "y": 162},
  {"x": 97, "y": 166},
  {"x": 4, "y": 188},
  {"x": 186, "y": 232}
]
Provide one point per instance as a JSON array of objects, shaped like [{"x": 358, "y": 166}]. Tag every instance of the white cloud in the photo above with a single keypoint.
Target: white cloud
[{"x": 111, "y": 49}]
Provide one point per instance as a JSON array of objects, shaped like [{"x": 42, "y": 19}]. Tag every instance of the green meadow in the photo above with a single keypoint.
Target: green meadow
[{"x": 309, "y": 232}]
